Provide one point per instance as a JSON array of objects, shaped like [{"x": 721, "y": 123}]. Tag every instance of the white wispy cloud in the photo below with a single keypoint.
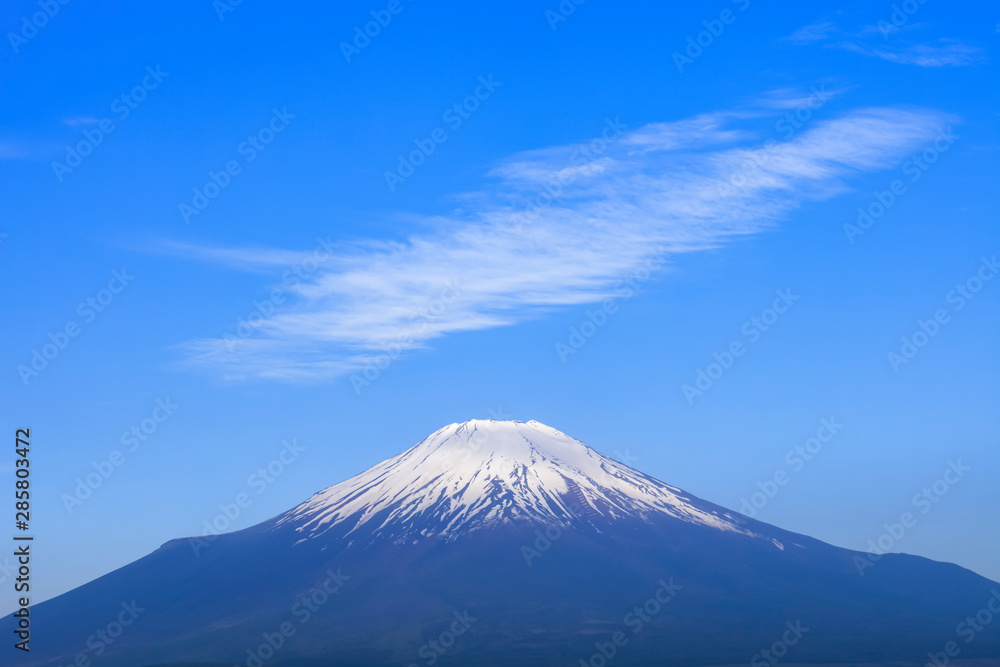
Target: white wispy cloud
[
  {"x": 78, "y": 121},
  {"x": 874, "y": 41},
  {"x": 886, "y": 29},
  {"x": 552, "y": 228},
  {"x": 791, "y": 98},
  {"x": 814, "y": 32},
  {"x": 261, "y": 260},
  {"x": 941, "y": 53}
]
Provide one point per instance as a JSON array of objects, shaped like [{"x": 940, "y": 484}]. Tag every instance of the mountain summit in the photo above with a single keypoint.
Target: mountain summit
[
  {"x": 502, "y": 544},
  {"x": 482, "y": 473}
]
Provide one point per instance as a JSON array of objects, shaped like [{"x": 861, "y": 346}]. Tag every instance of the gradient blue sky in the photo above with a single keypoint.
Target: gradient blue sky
[{"x": 519, "y": 284}]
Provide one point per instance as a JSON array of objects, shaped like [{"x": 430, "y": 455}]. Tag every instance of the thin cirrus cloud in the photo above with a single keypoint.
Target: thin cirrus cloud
[
  {"x": 559, "y": 227},
  {"x": 883, "y": 41},
  {"x": 942, "y": 53},
  {"x": 814, "y": 32}
]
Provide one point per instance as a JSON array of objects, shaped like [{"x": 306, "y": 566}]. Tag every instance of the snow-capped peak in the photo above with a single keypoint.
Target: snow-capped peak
[{"x": 483, "y": 472}]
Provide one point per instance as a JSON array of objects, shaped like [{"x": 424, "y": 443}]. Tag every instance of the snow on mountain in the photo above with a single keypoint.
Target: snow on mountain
[
  {"x": 740, "y": 587},
  {"x": 483, "y": 472}
]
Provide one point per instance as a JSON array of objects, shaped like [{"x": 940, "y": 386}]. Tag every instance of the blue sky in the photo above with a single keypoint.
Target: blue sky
[{"x": 513, "y": 211}]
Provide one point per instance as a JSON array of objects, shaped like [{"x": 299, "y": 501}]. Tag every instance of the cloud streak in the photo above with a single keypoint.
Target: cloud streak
[
  {"x": 872, "y": 41},
  {"x": 942, "y": 53},
  {"x": 558, "y": 227},
  {"x": 814, "y": 32}
]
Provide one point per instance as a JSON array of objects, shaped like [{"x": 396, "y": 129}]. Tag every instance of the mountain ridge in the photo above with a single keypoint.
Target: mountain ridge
[
  {"x": 471, "y": 474},
  {"x": 431, "y": 533}
]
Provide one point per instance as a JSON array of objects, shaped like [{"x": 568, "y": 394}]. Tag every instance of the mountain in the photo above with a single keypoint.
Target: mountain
[
  {"x": 510, "y": 543},
  {"x": 484, "y": 474}
]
